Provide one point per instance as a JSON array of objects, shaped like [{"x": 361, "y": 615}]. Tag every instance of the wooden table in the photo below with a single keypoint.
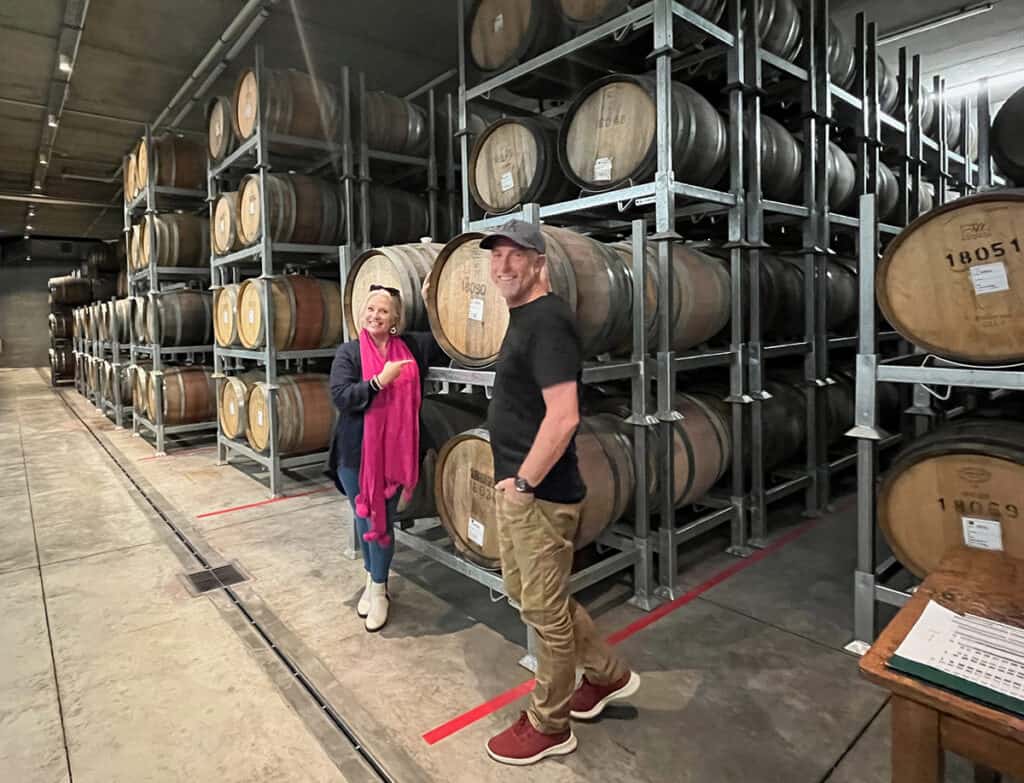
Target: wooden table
[{"x": 926, "y": 720}]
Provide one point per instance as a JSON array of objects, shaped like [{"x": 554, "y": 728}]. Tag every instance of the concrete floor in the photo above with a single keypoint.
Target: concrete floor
[{"x": 115, "y": 672}]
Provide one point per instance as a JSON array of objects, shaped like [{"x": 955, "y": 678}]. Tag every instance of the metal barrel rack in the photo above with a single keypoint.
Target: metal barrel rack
[
  {"x": 874, "y": 570},
  {"x": 354, "y": 164},
  {"x": 652, "y": 553},
  {"x": 153, "y": 281}
]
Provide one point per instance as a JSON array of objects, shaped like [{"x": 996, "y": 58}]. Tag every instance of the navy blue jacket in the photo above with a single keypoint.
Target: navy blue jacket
[{"x": 352, "y": 395}]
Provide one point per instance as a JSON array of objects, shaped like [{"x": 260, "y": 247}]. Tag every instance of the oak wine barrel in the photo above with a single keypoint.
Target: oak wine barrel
[
  {"x": 888, "y": 87},
  {"x": 781, "y": 163},
  {"x": 1006, "y": 141},
  {"x": 115, "y": 378},
  {"x": 702, "y": 446},
  {"x": 515, "y": 161},
  {"x": 190, "y": 395},
  {"x": 234, "y": 397},
  {"x": 442, "y": 417},
  {"x": 294, "y": 104},
  {"x": 397, "y": 216},
  {"x": 701, "y": 296},
  {"x": 781, "y": 28},
  {"x": 841, "y": 399},
  {"x": 225, "y": 314},
  {"x": 102, "y": 259},
  {"x": 92, "y": 374},
  {"x": 842, "y": 60},
  {"x": 140, "y": 318},
  {"x": 303, "y": 210},
  {"x": 841, "y": 175},
  {"x": 964, "y": 477},
  {"x": 140, "y": 377},
  {"x": 465, "y": 496},
  {"x": 402, "y": 267},
  {"x": 135, "y": 257},
  {"x": 607, "y": 137},
  {"x": 129, "y": 176},
  {"x": 307, "y": 312},
  {"x": 305, "y": 415},
  {"x": 953, "y": 281},
  {"x": 178, "y": 240},
  {"x": 103, "y": 325},
  {"x": 785, "y": 423},
  {"x": 95, "y": 322},
  {"x": 395, "y": 124},
  {"x": 504, "y": 33},
  {"x": 180, "y": 317},
  {"x": 220, "y": 131},
  {"x": 469, "y": 317},
  {"x": 176, "y": 162},
  {"x": 70, "y": 290},
  {"x": 61, "y": 325},
  {"x": 225, "y": 233},
  {"x": 62, "y": 362}
]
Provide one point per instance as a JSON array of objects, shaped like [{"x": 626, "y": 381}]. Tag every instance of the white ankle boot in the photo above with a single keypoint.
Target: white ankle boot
[
  {"x": 377, "y": 617},
  {"x": 363, "y": 607}
]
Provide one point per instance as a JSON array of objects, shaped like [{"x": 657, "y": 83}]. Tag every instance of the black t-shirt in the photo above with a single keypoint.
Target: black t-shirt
[{"x": 541, "y": 349}]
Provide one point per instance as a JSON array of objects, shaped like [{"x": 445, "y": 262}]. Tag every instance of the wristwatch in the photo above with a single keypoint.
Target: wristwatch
[{"x": 522, "y": 485}]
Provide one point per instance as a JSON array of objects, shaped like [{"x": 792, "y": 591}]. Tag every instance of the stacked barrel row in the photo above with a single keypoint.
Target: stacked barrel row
[
  {"x": 303, "y": 209},
  {"x": 99, "y": 277},
  {"x": 468, "y": 317},
  {"x": 606, "y": 139},
  {"x": 291, "y": 109}
]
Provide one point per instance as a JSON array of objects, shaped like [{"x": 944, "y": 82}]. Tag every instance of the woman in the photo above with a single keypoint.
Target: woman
[{"x": 377, "y": 384}]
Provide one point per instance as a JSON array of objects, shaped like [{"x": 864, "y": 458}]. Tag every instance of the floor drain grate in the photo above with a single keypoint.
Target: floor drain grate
[{"x": 214, "y": 578}]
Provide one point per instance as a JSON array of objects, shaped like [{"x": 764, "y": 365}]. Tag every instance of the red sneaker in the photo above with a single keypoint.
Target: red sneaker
[
  {"x": 522, "y": 744},
  {"x": 589, "y": 700}
]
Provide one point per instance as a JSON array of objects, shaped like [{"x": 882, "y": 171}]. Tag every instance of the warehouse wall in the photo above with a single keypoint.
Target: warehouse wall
[{"x": 24, "y": 312}]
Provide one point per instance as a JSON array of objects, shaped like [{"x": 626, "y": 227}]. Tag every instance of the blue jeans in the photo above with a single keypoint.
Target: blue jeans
[{"x": 376, "y": 558}]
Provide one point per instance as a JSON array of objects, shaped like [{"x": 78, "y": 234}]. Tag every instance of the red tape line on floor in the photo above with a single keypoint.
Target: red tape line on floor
[
  {"x": 260, "y": 503},
  {"x": 445, "y": 730}
]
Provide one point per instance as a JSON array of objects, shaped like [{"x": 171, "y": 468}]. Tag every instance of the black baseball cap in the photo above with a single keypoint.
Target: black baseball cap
[{"x": 519, "y": 231}]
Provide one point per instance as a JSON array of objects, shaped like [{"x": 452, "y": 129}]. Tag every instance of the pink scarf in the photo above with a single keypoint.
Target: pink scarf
[{"x": 391, "y": 436}]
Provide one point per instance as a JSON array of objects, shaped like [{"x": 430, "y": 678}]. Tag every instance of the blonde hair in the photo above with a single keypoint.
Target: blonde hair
[{"x": 397, "y": 311}]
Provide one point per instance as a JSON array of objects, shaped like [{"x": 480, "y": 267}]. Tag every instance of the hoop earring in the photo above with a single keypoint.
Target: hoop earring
[{"x": 393, "y": 330}]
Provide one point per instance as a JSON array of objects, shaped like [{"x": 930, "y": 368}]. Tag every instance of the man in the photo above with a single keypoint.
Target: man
[{"x": 532, "y": 421}]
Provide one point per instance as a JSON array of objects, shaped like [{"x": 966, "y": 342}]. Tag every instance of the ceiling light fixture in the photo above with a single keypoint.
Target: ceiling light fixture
[
  {"x": 42, "y": 160},
  {"x": 64, "y": 64},
  {"x": 37, "y": 186},
  {"x": 26, "y": 236},
  {"x": 28, "y": 228},
  {"x": 933, "y": 24},
  {"x": 51, "y": 120}
]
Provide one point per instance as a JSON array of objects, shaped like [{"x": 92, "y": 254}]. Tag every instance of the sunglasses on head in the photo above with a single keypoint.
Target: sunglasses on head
[{"x": 389, "y": 289}]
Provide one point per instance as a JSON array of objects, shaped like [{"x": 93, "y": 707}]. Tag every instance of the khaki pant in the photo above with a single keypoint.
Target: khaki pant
[{"x": 536, "y": 541}]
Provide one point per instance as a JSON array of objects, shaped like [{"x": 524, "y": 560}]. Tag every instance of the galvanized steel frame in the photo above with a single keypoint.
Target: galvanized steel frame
[
  {"x": 154, "y": 279},
  {"x": 870, "y": 575},
  {"x": 350, "y": 147}
]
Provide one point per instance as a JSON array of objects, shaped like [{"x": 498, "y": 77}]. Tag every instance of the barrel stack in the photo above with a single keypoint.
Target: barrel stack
[
  {"x": 777, "y": 297},
  {"x": 276, "y": 329},
  {"x": 168, "y": 312}
]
